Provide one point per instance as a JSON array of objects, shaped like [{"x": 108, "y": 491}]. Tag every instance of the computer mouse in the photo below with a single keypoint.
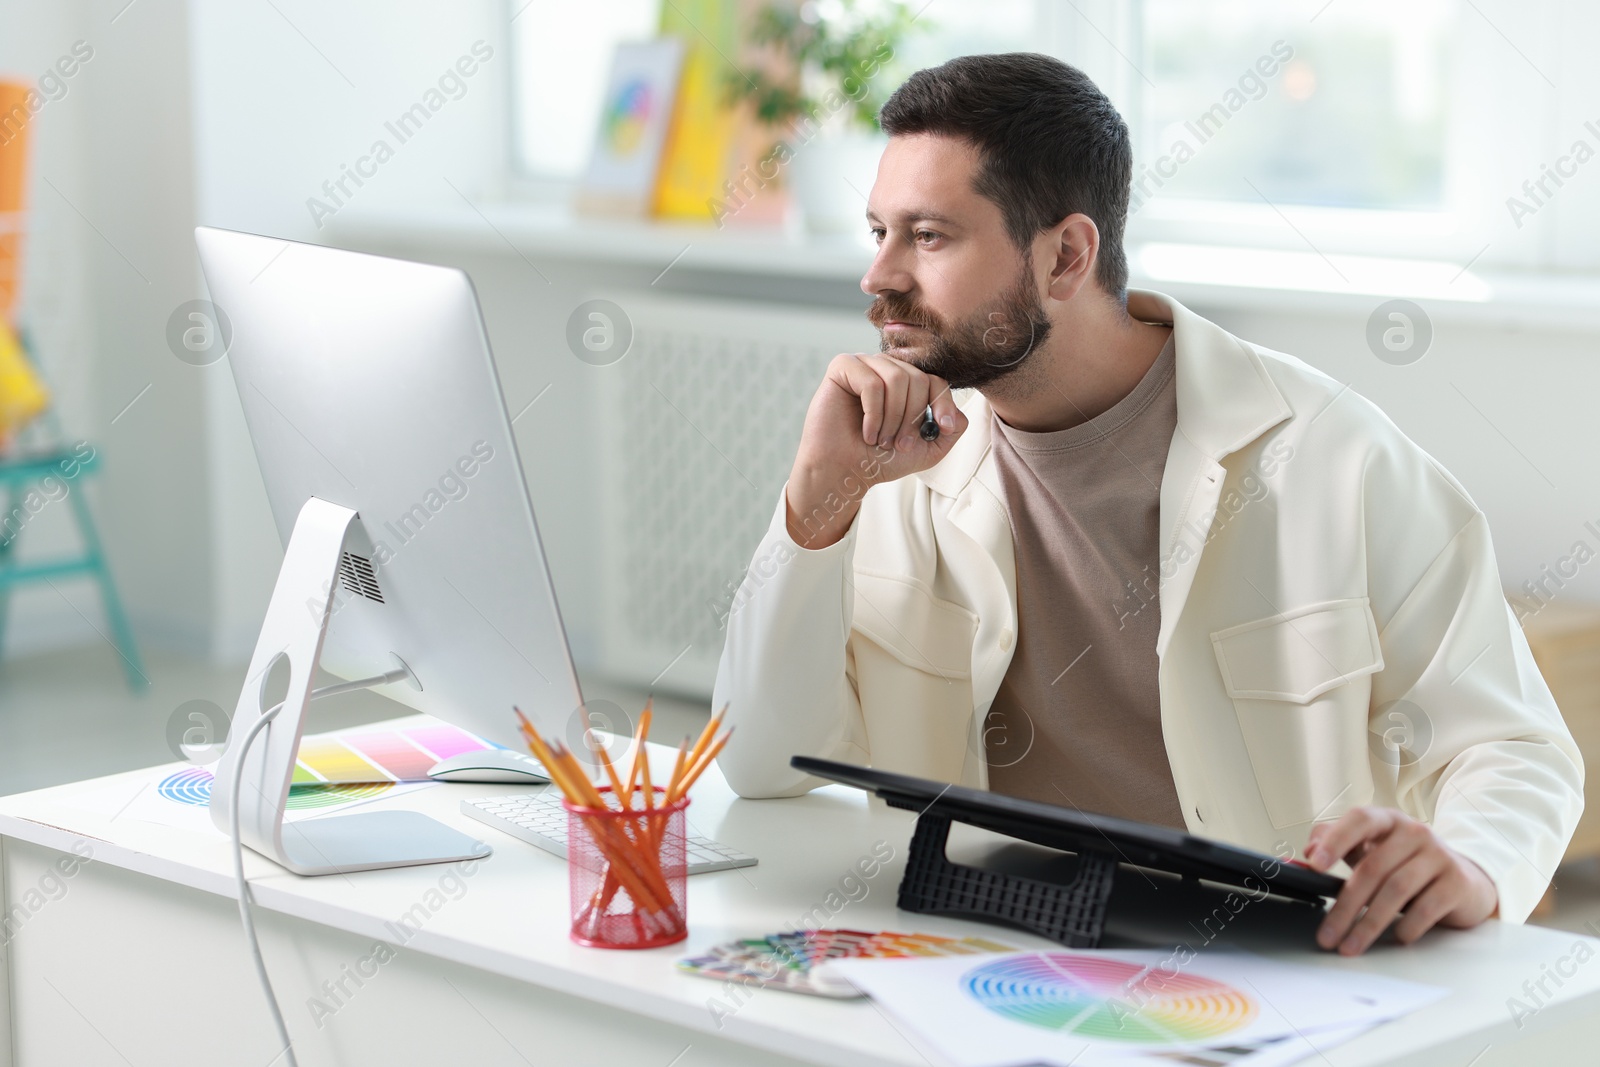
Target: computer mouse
[{"x": 494, "y": 765}]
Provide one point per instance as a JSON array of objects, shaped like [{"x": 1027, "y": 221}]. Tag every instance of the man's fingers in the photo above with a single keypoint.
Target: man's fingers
[
  {"x": 1427, "y": 909},
  {"x": 1336, "y": 924},
  {"x": 852, "y": 374},
  {"x": 894, "y": 397},
  {"x": 943, "y": 400},
  {"x": 1398, "y": 889},
  {"x": 1363, "y": 880},
  {"x": 952, "y": 422},
  {"x": 896, "y": 391},
  {"x": 1398, "y": 844},
  {"x": 1328, "y": 843},
  {"x": 905, "y": 400},
  {"x": 917, "y": 393},
  {"x": 949, "y": 435}
]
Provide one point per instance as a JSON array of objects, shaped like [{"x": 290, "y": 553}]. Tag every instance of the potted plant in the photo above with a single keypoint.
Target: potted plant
[{"x": 828, "y": 69}]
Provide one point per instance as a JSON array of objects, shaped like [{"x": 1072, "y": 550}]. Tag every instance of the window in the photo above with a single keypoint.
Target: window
[
  {"x": 1351, "y": 115},
  {"x": 1401, "y": 128},
  {"x": 562, "y": 54},
  {"x": 1362, "y": 126},
  {"x": 945, "y": 30}
]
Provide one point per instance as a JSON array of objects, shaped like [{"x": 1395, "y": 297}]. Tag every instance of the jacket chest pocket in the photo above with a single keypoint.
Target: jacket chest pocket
[
  {"x": 917, "y": 628},
  {"x": 1301, "y": 684},
  {"x": 913, "y": 676}
]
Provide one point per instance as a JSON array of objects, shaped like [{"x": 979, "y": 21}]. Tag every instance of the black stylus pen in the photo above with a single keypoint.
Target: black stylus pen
[{"x": 930, "y": 425}]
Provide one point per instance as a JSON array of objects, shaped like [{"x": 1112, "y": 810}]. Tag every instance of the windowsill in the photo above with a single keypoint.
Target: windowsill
[
  {"x": 553, "y": 232},
  {"x": 1266, "y": 279},
  {"x": 1197, "y": 275}
]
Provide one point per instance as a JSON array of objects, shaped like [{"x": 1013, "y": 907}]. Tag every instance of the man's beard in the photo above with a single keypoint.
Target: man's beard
[{"x": 993, "y": 344}]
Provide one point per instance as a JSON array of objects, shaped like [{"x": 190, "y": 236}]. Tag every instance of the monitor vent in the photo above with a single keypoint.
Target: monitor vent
[{"x": 357, "y": 575}]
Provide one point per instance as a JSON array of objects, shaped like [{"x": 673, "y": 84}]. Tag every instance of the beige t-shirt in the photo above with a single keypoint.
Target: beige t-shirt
[{"x": 1077, "y": 720}]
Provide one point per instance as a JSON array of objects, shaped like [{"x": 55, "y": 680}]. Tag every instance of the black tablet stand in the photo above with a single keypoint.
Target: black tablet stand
[
  {"x": 1068, "y": 880},
  {"x": 1072, "y": 912}
]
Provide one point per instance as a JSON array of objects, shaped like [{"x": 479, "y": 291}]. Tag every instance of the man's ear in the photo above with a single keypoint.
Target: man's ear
[{"x": 1070, "y": 249}]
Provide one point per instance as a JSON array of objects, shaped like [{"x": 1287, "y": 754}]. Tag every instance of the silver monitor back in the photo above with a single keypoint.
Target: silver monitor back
[{"x": 369, "y": 382}]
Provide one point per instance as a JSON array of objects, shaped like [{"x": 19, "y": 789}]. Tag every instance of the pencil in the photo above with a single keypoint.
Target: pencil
[
  {"x": 644, "y": 770},
  {"x": 611, "y": 771},
  {"x": 706, "y": 735},
  {"x": 699, "y": 768},
  {"x": 628, "y": 858},
  {"x": 570, "y": 779},
  {"x": 630, "y": 848},
  {"x": 640, "y": 734},
  {"x": 677, "y": 766}
]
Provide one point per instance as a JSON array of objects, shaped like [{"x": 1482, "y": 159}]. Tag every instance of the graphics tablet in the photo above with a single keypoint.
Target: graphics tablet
[{"x": 1139, "y": 844}]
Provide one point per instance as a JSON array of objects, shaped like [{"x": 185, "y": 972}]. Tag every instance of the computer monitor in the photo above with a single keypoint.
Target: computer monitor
[{"x": 412, "y": 557}]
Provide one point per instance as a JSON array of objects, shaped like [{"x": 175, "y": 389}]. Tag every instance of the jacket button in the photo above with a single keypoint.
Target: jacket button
[{"x": 1006, "y": 637}]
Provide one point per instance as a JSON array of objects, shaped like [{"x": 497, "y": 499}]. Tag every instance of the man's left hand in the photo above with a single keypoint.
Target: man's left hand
[{"x": 1397, "y": 863}]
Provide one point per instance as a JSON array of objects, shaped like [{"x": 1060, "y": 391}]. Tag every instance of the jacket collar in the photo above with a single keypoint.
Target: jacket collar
[{"x": 1225, "y": 397}]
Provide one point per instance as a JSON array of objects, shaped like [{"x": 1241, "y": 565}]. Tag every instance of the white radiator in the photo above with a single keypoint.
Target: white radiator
[{"x": 699, "y": 424}]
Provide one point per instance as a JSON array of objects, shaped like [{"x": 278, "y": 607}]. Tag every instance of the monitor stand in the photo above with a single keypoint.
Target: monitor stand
[{"x": 295, "y": 626}]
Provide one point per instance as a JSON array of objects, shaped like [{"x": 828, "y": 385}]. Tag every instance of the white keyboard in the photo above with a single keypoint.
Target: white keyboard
[{"x": 539, "y": 819}]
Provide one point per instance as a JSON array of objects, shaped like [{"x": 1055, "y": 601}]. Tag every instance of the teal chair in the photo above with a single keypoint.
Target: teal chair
[{"x": 39, "y": 477}]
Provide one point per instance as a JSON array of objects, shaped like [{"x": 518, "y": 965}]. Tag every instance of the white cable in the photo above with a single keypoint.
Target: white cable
[
  {"x": 242, "y": 885},
  {"x": 244, "y": 888}
]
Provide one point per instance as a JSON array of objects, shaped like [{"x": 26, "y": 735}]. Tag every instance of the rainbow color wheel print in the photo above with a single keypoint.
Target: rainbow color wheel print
[
  {"x": 193, "y": 787},
  {"x": 1108, "y": 999}
]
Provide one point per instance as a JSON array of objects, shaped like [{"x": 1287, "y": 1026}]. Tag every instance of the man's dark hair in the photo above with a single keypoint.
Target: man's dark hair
[{"x": 1050, "y": 142}]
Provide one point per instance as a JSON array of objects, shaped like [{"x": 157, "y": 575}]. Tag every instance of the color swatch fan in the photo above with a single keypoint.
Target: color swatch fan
[{"x": 796, "y": 960}]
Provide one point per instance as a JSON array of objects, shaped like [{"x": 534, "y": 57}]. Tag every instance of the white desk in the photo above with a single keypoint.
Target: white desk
[{"x": 140, "y": 959}]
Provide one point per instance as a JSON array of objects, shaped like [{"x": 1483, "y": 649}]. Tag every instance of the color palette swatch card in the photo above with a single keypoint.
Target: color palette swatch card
[
  {"x": 381, "y": 755},
  {"x": 791, "y": 960},
  {"x": 333, "y": 771}
]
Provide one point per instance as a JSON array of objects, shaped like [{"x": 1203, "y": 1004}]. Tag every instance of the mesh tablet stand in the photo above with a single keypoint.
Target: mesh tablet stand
[
  {"x": 1071, "y": 912},
  {"x": 1065, "y": 893}
]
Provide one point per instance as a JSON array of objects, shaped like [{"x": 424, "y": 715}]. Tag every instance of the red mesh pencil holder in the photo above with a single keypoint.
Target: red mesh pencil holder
[{"x": 627, "y": 872}]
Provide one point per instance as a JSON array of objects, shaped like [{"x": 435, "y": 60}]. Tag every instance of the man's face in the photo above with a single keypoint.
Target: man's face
[{"x": 955, "y": 298}]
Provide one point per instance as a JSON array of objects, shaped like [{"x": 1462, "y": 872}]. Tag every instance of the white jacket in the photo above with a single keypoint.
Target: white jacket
[{"x": 1333, "y": 629}]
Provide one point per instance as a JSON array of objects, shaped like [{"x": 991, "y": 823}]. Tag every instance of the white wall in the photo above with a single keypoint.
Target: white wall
[
  {"x": 139, "y": 150},
  {"x": 286, "y": 97},
  {"x": 233, "y": 114},
  {"x": 278, "y": 112}
]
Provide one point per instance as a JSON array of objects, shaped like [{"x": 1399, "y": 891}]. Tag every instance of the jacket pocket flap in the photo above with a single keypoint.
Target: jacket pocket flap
[
  {"x": 913, "y": 625},
  {"x": 1301, "y": 654}
]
